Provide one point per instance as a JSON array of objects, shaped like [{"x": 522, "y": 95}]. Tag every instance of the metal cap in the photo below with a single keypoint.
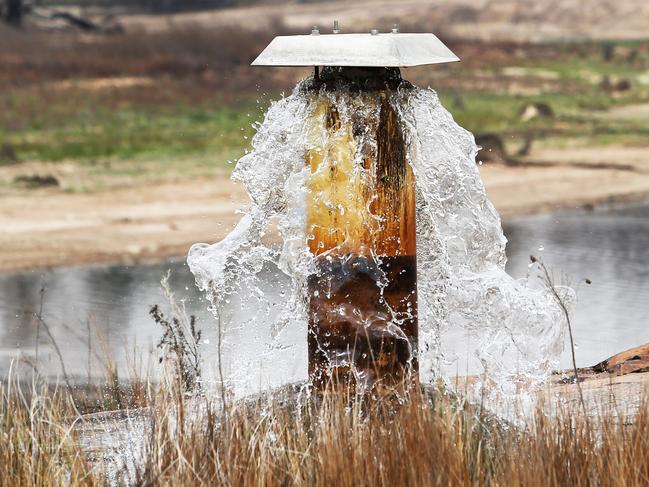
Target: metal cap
[{"x": 364, "y": 50}]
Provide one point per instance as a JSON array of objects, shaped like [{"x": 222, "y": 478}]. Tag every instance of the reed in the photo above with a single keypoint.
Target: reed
[
  {"x": 427, "y": 439},
  {"x": 37, "y": 446},
  {"x": 424, "y": 441}
]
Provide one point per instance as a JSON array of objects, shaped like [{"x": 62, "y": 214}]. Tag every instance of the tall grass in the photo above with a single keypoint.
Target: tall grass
[
  {"x": 427, "y": 439},
  {"x": 37, "y": 445}
]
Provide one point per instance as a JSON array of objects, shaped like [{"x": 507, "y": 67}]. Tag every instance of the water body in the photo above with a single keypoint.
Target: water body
[{"x": 97, "y": 311}]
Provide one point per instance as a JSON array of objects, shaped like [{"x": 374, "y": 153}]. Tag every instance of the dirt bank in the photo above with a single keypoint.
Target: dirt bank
[
  {"x": 45, "y": 228},
  {"x": 48, "y": 227},
  {"x": 569, "y": 178}
]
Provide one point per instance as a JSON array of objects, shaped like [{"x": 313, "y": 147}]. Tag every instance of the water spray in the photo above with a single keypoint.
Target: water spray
[
  {"x": 388, "y": 240},
  {"x": 361, "y": 205}
]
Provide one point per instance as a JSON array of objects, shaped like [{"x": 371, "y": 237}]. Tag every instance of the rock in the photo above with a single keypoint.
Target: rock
[
  {"x": 8, "y": 154},
  {"x": 614, "y": 387},
  {"x": 630, "y": 361},
  {"x": 535, "y": 110},
  {"x": 37, "y": 181},
  {"x": 622, "y": 85},
  {"x": 492, "y": 148},
  {"x": 607, "y": 84}
]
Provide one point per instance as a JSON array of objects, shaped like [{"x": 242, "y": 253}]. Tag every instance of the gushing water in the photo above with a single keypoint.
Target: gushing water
[{"x": 516, "y": 327}]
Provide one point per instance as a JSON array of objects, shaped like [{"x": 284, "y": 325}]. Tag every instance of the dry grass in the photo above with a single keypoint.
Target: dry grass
[
  {"x": 36, "y": 441},
  {"x": 425, "y": 441},
  {"x": 428, "y": 439}
]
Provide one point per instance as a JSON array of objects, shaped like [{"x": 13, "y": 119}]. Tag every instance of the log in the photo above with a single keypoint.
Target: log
[{"x": 630, "y": 361}]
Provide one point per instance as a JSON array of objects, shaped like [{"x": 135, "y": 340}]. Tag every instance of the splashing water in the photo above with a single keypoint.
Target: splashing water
[{"x": 516, "y": 328}]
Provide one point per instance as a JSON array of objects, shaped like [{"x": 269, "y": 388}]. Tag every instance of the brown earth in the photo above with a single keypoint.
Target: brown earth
[
  {"x": 617, "y": 385},
  {"x": 569, "y": 178},
  {"x": 604, "y": 394},
  {"x": 44, "y": 227},
  {"x": 517, "y": 20},
  {"x": 48, "y": 227}
]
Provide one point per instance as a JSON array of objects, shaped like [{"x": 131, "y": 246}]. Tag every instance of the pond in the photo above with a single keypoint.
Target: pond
[{"x": 100, "y": 313}]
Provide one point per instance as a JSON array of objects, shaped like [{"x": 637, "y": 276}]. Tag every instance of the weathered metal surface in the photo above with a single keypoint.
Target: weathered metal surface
[
  {"x": 363, "y": 50},
  {"x": 362, "y": 233}
]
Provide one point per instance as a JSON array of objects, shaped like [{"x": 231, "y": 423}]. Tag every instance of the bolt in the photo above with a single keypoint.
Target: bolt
[
  {"x": 374, "y": 32},
  {"x": 395, "y": 29},
  {"x": 336, "y": 27},
  {"x": 315, "y": 31}
]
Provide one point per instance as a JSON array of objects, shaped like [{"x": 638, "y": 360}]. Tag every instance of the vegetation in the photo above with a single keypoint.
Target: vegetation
[
  {"x": 180, "y": 344},
  {"x": 38, "y": 448},
  {"x": 184, "y": 101},
  {"x": 99, "y": 134},
  {"x": 147, "y": 106},
  {"x": 284, "y": 437},
  {"x": 426, "y": 440}
]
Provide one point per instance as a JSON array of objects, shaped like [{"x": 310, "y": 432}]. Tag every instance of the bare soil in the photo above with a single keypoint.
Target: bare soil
[
  {"x": 618, "y": 394},
  {"x": 45, "y": 227},
  {"x": 49, "y": 227},
  {"x": 552, "y": 179}
]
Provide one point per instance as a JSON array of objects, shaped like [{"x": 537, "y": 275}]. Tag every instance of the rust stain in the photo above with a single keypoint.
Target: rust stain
[{"x": 361, "y": 194}]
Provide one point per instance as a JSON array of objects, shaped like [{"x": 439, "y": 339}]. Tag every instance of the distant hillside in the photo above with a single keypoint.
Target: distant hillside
[
  {"x": 511, "y": 20},
  {"x": 518, "y": 20},
  {"x": 167, "y": 6}
]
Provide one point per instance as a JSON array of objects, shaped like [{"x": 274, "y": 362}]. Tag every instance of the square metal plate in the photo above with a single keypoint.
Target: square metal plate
[{"x": 363, "y": 50}]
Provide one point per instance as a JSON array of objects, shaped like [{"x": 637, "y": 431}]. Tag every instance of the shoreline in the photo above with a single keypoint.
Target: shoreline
[
  {"x": 179, "y": 252},
  {"x": 44, "y": 229}
]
